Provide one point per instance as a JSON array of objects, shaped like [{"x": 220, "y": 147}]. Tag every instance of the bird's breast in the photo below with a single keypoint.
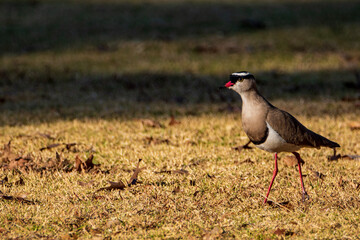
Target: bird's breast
[
  {"x": 275, "y": 143},
  {"x": 254, "y": 125}
]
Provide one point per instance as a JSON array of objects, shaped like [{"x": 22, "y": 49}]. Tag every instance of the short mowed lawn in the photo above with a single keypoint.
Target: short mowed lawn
[{"x": 90, "y": 87}]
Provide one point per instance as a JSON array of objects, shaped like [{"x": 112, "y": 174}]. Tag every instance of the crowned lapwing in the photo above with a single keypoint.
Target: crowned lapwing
[{"x": 270, "y": 128}]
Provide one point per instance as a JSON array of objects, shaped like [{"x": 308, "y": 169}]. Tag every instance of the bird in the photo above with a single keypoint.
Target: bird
[{"x": 272, "y": 129}]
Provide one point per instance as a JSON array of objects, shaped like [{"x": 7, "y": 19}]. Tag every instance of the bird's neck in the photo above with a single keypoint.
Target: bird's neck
[
  {"x": 253, "y": 98},
  {"x": 254, "y": 105}
]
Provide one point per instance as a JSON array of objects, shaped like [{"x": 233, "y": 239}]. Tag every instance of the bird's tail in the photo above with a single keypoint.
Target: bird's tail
[
  {"x": 330, "y": 144},
  {"x": 324, "y": 142}
]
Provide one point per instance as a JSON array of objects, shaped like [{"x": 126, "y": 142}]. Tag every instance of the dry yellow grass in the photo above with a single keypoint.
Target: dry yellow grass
[
  {"x": 221, "y": 196},
  {"x": 90, "y": 71}
]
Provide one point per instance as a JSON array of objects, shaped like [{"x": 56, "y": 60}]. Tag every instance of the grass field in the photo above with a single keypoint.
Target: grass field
[{"x": 103, "y": 78}]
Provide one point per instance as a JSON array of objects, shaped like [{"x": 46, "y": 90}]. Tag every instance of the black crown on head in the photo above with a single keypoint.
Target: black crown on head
[{"x": 234, "y": 77}]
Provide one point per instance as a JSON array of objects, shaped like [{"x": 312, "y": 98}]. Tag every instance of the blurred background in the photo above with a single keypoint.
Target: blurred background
[{"x": 106, "y": 58}]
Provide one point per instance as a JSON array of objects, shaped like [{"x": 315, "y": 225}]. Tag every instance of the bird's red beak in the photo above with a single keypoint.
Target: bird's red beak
[{"x": 229, "y": 84}]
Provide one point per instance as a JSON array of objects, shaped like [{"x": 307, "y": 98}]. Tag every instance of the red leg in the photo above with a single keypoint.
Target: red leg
[
  {"x": 273, "y": 178},
  {"x": 305, "y": 196}
]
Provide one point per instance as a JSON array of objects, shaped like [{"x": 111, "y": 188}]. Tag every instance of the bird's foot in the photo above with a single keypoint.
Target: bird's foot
[{"x": 305, "y": 196}]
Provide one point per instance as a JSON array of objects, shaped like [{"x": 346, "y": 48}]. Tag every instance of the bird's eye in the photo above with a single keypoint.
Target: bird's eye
[{"x": 240, "y": 79}]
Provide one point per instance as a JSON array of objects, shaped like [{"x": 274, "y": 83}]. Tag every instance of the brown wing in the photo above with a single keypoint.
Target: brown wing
[{"x": 292, "y": 131}]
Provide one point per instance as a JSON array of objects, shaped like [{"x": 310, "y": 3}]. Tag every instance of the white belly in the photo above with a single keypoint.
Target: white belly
[{"x": 275, "y": 143}]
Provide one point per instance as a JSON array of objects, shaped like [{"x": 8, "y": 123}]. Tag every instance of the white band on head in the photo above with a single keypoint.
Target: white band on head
[{"x": 241, "y": 74}]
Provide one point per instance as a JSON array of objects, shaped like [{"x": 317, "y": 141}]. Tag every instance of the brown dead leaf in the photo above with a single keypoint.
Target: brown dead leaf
[
  {"x": 155, "y": 141},
  {"x": 291, "y": 161},
  {"x": 4, "y": 180},
  {"x": 19, "y": 163},
  {"x": 284, "y": 205},
  {"x": 163, "y": 171},
  {"x": 242, "y": 147},
  {"x": 7, "y": 155},
  {"x": 279, "y": 232},
  {"x": 114, "y": 185},
  {"x": 78, "y": 164},
  {"x": 58, "y": 164},
  {"x": 58, "y": 157},
  {"x": 351, "y": 157},
  {"x": 354, "y": 125},
  {"x": 179, "y": 171},
  {"x": 20, "y": 181},
  {"x": 97, "y": 197},
  {"x": 283, "y": 232},
  {"x": 151, "y": 123},
  {"x": 95, "y": 232},
  {"x": 336, "y": 225},
  {"x": 173, "y": 121},
  {"x": 19, "y": 199},
  {"x": 86, "y": 166},
  {"x": 210, "y": 176},
  {"x": 318, "y": 174},
  {"x": 66, "y": 166},
  {"x": 120, "y": 185},
  {"x": 248, "y": 160},
  {"x": 48, "y": 147},
  {"x": 133, "y": 179},
  {"x": 89, "y": 162},
  {"x": 176, "y": 190},
  {"x": 68, "y": 146},
  {"x": 85, "y": 184}
]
